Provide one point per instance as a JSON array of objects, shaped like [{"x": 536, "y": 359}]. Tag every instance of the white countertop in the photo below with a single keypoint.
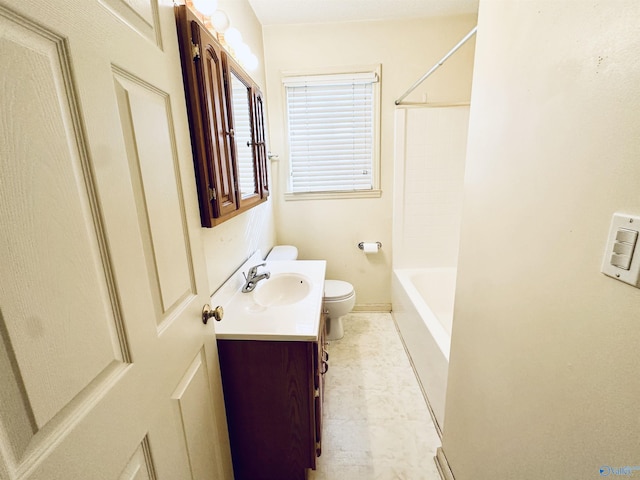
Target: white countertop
[{"x": 245, "y": 319}]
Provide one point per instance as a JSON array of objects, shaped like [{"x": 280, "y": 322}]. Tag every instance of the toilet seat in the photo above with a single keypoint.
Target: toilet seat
[{"x": 337, "y": 290}]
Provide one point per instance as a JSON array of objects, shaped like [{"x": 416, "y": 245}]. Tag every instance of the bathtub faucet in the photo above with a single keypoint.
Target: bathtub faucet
[{"x": 252, "y": 278}]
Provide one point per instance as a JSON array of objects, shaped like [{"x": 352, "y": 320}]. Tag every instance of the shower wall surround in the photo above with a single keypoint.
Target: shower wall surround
[{"x": 430, "y": 154}]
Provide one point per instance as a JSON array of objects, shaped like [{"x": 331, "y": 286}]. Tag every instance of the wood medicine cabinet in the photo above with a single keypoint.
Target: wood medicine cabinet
[{"x": 226, "y": 121}]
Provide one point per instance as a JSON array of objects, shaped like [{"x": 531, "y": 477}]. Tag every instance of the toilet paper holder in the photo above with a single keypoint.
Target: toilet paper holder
[{"x": 361, "y": 245}]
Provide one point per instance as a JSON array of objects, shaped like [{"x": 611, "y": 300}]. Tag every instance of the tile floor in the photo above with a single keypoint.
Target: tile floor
[{"x": 376, "y": 422}]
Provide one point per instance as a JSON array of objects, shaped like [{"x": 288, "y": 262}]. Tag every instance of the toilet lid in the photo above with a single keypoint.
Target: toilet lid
[
  {"x": 283, "y": 252},
  {"x": 337, "y": 290}
]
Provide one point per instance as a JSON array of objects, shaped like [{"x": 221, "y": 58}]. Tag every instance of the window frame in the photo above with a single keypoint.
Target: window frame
[{"x": 374, "y": 192}]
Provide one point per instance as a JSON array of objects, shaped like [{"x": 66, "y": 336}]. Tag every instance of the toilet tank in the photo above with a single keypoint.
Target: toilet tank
[{"x": 283, "y": 252}]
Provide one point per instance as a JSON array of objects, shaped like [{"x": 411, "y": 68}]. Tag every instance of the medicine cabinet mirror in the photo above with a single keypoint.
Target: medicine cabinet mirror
[
  {"x": 226, "y": 121},
  {"x": 243, "y": 138}
]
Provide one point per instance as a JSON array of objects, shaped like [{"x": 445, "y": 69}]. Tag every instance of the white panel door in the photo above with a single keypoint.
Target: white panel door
[{"x": 106, "y": 368}]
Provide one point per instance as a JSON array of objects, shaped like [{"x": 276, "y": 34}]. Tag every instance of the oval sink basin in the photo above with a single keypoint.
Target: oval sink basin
[{"x": 282, "y": 289}]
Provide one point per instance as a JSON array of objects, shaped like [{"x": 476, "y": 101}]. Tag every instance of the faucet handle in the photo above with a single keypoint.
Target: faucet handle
[{"x": 253, "y": 270}]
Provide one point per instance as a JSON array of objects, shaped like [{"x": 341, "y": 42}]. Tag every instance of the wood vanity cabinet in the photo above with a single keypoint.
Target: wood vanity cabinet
[
  {"x": 273, "y": 393},
  {"x": 226, "y": 121}
]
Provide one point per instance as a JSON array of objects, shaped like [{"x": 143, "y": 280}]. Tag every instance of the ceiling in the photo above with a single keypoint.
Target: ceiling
[{"x": 282, "y": 12}]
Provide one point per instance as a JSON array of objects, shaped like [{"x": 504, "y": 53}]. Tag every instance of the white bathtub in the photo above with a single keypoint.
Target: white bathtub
[{"x": 422, "y": 304}]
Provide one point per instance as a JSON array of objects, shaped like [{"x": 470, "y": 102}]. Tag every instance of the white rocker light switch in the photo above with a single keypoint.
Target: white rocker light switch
[
  {"x": 619, "y": 259},
  {"x": 623, "y": 248}
]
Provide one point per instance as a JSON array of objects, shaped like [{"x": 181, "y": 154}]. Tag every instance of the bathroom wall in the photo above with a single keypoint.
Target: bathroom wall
[
  {"x": 331, "y": 229},
  {"x": 543, "y": 379},
  {"x": 229, "y": 244}
]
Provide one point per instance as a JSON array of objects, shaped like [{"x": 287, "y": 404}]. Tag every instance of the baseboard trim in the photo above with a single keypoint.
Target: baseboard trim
[
  {"x": 372, "y": 307},
  {"x": 443, "y": 465}
]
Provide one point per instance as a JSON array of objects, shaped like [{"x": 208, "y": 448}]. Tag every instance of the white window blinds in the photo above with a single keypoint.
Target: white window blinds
[{"x": 331, "y": 132}]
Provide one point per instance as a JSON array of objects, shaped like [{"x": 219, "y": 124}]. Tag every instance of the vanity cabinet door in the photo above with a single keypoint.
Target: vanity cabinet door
[
  {"x": 259, "y": 142},
  {"x": 204, "y": 77},
  {"x": 224, "y": 197},
  {"x": 243, "y": 119},
  {"x": 269, "y": 390}
]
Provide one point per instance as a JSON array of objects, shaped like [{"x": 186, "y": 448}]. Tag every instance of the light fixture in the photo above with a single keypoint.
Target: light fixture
[
  {"x": 205, "y": 7},
  {"x": 220, "y": 25},
  {"x": 220, "y": 21}
]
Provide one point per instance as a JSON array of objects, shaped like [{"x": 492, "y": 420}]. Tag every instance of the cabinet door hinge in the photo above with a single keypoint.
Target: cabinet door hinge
[
  {"x": 212, "y": 194},
  {"x": 195, "y": 51}
]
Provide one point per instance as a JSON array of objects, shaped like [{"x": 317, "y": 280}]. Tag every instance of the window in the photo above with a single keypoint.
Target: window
[{"x": 333, "y": 134}]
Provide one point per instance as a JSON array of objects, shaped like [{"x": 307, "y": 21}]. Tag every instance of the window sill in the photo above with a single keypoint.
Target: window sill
[{"x": 332, "y": 195}]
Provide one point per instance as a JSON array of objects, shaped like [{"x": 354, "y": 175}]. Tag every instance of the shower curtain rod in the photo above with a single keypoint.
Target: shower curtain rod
[{"x": 437, "y": 65}]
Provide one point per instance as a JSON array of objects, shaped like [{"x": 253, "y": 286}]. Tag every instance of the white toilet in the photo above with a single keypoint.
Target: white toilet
[{"x": 339, "y": 296}]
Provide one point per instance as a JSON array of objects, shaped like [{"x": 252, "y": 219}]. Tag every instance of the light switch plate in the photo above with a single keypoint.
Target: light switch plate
[{"x": 632, "y": 275}]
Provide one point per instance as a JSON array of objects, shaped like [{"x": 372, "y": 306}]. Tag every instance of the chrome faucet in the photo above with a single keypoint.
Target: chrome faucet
[{"x": 252, "y": 278}]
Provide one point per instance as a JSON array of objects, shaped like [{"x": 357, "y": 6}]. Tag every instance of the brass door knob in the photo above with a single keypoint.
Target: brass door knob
[{"x": 208, "y": 312}]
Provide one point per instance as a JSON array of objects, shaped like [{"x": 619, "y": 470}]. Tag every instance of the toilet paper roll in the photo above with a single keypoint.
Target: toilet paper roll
[{"x": 370, "y": 247}]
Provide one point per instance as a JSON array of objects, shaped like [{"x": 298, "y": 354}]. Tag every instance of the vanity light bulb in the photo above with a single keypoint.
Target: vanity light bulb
[
  {"x": 242, "y": 51},
  {"x": 206, "y": 7},
  {"x": 220, "y": 21},
  {"x": 251, "y": 62},
  {"x": 246, "y": 56},
  {"x": 233, "y": 37}
]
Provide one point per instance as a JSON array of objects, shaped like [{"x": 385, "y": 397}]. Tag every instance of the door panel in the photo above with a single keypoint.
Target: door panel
[
  {"x": 103, "y": 273},
  {"x": 145, "y": 116},
  {"x": 140, "y": 467},
  {"x": 191, "y": 401},
  {"x": 140, "y": 15},
  {"x": 48, "y": 205},
  {"x": 216, "y": 114}
]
